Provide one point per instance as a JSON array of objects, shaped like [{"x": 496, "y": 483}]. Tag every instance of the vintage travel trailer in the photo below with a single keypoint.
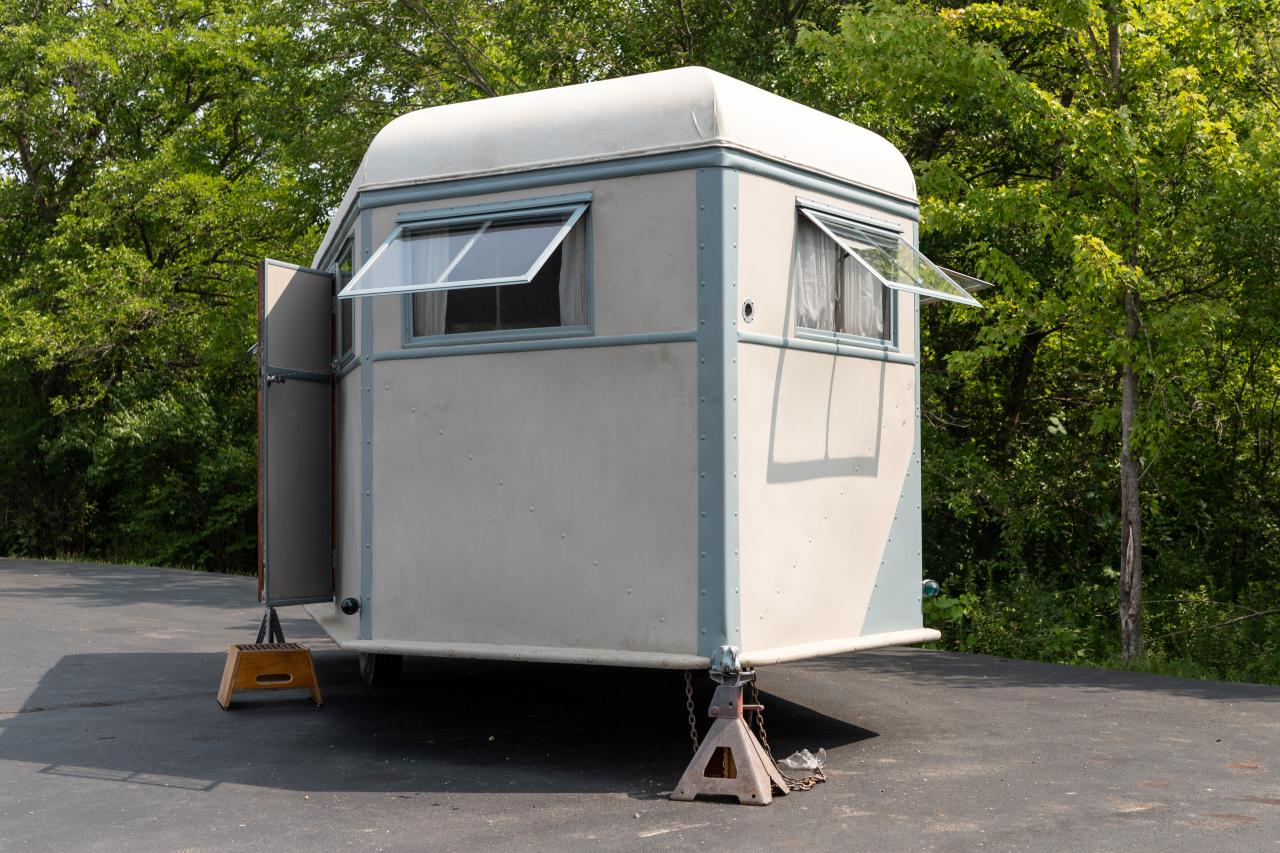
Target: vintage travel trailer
[{"x": 621, "y": 373}]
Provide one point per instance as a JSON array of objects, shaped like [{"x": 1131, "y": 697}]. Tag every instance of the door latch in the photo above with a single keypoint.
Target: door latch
[{"x": 275, "y": 377}]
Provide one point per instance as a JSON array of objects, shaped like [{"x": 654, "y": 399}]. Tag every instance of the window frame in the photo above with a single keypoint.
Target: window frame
[
  {"x": 918, "y": 287},
  {"x": 512, "y": 209},
  {"x": 493, "y": 214},
  {"x": 889, "y": 229},
  {"x": 345, "y": 350}
]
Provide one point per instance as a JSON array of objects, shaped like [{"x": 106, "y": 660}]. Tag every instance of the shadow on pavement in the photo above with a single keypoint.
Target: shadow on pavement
[{"x": 151, "y": 719}]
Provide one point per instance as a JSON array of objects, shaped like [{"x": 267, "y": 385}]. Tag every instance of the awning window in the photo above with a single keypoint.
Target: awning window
[
  {"x": 892, "y": 260},
  {"x": 496, "y": 249}
]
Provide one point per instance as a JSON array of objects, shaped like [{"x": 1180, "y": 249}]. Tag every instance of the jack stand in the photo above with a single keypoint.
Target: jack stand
[
  {"x": 730, "y": 761},
  {"x": 274, "y": 664},
  {"x": 270, "y": 629}
]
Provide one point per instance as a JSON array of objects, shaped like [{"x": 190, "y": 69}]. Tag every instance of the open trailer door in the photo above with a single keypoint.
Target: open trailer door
[{"x": 295, "y": 435}]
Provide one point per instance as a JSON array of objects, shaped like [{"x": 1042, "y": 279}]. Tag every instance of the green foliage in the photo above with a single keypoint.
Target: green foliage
[
  {"x": 1043, "y": 170},
  {"x": 151, "y": 152}
]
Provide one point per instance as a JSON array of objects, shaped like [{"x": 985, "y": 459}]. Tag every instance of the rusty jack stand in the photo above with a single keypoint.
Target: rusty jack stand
[{"x": 730, "y": 761}]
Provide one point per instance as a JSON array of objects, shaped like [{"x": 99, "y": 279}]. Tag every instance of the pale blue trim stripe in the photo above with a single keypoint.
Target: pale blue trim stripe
[
  {"x": 366, "y": 436},
  {"x": 861, "y": 341},
  {"x": 710, "y": 157},
  {"x": 471, "y": 210},
  {"x": 719, "y": 603},
  {"x": 539, "y": 344},
  {"x": 829, "y": 347},
  {"x": 351, "y": 365},
  {"x": 463, "y": 338}
]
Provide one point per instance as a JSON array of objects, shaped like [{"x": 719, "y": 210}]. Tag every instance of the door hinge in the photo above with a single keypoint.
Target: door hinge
[{"x": 333, "y": 559}]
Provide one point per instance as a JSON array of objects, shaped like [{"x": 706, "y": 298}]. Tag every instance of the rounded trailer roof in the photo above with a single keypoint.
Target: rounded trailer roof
[{"x": 677, "y": 110}]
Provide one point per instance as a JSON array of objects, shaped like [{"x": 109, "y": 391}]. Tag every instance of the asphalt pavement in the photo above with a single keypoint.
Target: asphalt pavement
[{"x": 111, "y": 740}]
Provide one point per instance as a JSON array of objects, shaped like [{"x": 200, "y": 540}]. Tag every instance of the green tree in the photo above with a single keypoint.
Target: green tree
[
  {"x": 140, "y": 179},
  {"x": 1084, "y": 155}
]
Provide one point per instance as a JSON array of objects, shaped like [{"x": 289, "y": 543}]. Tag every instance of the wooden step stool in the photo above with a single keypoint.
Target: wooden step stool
[{"x": 268, "y": 666}]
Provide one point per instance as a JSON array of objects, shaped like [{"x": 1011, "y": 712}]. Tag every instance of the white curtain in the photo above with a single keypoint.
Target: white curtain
[
  {"x": 428, "y": 259},
  {"x": 862, "y": 302},
  {"x": 817, "y": 259},
  {"x": 573, "y": 276}
]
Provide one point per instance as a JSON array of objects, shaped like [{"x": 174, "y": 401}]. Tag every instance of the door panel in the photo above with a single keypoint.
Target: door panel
[{"x": 295, "y": 435}]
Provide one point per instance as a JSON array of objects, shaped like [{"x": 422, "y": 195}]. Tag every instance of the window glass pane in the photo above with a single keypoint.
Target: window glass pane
[
  {"x": 893, "y": 259},
  {"x": 834, "y": 293},
  {"x": 864, "y": 303},
  {"x": 815, "y": 272},
  {"x": 345, "y": 333},
  {"x": 556, "y": 296},
  {"x": 472, "y": 309},
  {"x": 412, "y": 260},
  {"x": 506, "y": 250}
]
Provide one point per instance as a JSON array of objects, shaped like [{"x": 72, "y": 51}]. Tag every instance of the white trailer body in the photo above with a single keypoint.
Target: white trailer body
[{"x": 620, "y": 374}]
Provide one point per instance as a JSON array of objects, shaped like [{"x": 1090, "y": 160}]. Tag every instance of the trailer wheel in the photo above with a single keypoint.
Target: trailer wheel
[{"x": 380, "y": 670}]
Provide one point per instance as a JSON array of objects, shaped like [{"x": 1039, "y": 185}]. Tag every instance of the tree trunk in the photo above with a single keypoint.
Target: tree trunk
[{"x": 1130, "y": 508}]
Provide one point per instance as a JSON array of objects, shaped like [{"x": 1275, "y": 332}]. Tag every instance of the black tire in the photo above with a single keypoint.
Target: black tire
[{"x": 380, "y": 670}]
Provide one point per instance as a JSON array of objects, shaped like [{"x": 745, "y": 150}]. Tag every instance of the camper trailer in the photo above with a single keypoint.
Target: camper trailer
[{"x": 623, "y": 373}]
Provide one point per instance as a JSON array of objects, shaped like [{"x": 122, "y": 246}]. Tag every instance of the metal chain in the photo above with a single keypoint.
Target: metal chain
[
  {"x": 793, "y": 782},
  {"x": 688, "y": 704}
]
